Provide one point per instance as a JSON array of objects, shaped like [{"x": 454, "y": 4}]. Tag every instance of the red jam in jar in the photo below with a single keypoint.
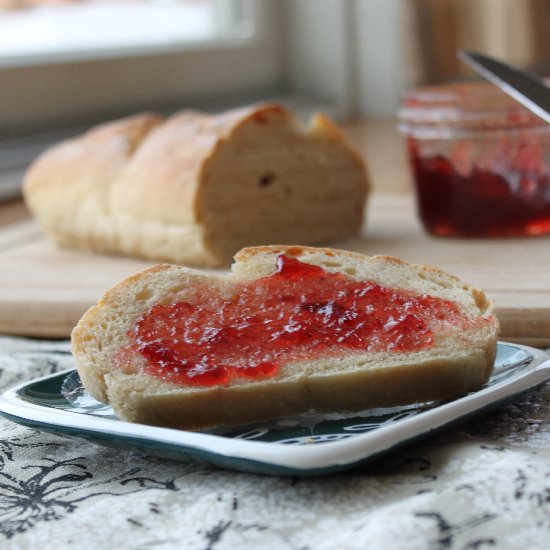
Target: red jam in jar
[
  {"x": 481, "y": 162},
  {"x": 300, "y": 312}
]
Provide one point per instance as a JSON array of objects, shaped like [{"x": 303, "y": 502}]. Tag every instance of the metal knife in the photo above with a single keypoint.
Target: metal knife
[{"x": 523, "y": 87}]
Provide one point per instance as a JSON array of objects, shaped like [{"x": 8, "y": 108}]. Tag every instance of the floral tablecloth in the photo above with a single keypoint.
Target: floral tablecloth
[{"x": 485, "y": 484}]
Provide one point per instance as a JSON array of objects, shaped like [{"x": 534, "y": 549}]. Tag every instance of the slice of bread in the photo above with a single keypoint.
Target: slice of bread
[
  {"x": 432, "y": 337},
  {"x": 195, "y": 188}
]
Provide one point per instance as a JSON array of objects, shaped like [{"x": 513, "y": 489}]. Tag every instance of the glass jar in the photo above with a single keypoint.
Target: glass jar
[{"x": 481, "y": 161}]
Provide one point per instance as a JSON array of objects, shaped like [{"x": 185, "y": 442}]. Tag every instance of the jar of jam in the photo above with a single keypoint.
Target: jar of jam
[{"x": 481, "y": 161}]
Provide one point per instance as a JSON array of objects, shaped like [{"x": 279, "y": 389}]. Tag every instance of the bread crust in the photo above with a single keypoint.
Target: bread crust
[
  {"x": 460, "y": 361},
  {"x": 67, "y": 188},
  {"x": 195, "y": 188}
]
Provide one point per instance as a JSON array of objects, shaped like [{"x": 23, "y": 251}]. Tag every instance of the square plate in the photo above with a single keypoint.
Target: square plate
[{"x": 311, "y": 444}]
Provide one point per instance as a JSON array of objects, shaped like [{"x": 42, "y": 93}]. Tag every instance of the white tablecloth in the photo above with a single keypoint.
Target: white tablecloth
[{"x": 486, "y": 484}]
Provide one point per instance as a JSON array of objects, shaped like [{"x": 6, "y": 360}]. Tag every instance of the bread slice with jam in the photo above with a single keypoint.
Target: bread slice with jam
[{"x": 290, "y": 329}]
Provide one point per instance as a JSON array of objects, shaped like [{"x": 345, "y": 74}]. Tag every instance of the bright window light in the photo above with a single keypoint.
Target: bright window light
[{"x": 46, "y": 29}]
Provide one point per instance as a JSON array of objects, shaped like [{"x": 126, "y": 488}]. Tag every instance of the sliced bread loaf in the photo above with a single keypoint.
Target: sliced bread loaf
[
  {"x": 291, "y": 328},
  {"x": 195, "y": 188}
]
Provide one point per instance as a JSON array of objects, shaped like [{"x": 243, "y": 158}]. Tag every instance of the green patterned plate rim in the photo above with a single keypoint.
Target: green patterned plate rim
[{"x": 311, "y": 444}]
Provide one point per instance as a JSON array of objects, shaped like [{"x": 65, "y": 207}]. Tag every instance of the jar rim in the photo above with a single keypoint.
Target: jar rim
[
  {"x": 463, "y": 132},
  {"x": 475, "y": 106}
]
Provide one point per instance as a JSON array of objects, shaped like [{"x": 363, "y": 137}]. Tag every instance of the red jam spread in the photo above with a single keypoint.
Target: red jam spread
[
  {"x": 483, "y": 200},
  {"x": 300, "y": 312}
]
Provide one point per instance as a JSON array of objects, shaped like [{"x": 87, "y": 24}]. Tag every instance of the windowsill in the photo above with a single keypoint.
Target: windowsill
[{"x": 98, "y": 54}]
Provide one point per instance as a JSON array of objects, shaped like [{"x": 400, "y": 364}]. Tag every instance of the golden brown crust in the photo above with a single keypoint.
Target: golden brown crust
[
  {"x": 94, "y": 151},
  {"x": 67, "y": 188},
  {"x": 461, "y": 360}
]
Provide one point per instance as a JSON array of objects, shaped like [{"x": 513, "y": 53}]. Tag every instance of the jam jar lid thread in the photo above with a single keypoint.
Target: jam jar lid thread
[{"x": 464, "y": 110}]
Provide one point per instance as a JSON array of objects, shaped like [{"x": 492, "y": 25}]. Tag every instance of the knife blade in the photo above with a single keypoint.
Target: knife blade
[{"x": 523, "y": 87}]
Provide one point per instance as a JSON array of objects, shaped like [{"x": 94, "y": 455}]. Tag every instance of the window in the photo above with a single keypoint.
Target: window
[
  {"x": 81, "y": 68},
  {"x": 34, "y": 31}
]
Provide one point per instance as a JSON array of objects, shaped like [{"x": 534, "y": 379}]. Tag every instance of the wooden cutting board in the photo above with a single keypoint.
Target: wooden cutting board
[{"x": 44, "y": 291}]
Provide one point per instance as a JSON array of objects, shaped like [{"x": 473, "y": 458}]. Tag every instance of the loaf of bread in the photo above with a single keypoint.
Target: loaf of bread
[
  {"x": 196, "y": 188},
  {"x": 288, "y": 330}
]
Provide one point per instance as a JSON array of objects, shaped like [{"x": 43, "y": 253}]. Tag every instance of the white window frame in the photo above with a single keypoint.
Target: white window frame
[{"x": 347, "y": 53}]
